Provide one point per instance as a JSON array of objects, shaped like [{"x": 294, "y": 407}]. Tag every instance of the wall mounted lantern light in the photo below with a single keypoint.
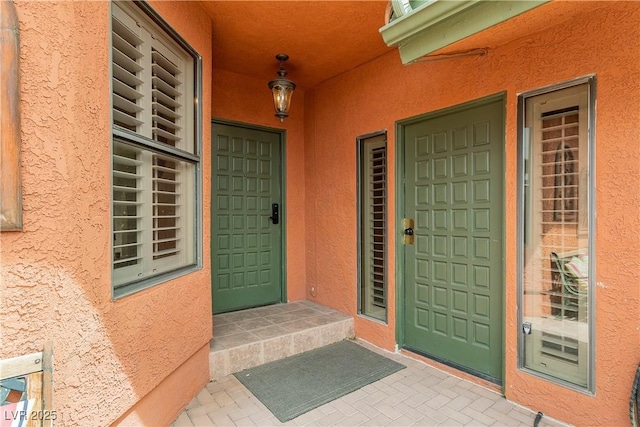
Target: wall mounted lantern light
[{"x": 282, "y": 88}]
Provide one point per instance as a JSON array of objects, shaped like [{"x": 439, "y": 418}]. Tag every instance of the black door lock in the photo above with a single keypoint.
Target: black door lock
[{"x": 275, "y": 217}]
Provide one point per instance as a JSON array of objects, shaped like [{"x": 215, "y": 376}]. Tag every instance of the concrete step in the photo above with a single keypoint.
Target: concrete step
[{"x": 249, "y": 338}]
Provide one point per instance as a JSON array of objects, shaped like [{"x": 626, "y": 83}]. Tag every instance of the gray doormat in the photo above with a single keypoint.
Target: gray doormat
[{"x": 292, "y": 386}]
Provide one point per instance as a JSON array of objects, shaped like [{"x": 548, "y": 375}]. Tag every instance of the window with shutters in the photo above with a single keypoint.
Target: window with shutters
[
  {"x": 155, "y": 150},
  {"x": 557, "y": 240},
  {"x": 372, "y": 203}
]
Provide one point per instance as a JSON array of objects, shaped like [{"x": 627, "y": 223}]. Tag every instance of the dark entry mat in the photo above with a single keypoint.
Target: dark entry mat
[{"x": 295, "y": 385}]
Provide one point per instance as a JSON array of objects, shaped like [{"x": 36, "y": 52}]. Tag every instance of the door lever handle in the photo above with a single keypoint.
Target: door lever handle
[{"x": 275, "y": 213}]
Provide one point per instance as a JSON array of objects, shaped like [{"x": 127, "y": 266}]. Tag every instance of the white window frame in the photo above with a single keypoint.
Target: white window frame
[{"x": 177, "y": 153}]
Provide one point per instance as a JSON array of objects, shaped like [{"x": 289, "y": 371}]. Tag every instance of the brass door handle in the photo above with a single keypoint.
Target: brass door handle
[{"x": 407, "y": 225}]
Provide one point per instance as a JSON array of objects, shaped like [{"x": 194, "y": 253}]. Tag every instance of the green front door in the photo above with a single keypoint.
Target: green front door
[
  {"x": 453, "y": 310},
  {"x": 246, "y": 242}
]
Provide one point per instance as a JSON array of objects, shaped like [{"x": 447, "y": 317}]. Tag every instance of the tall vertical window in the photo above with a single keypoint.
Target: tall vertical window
[
  {"x": 557, "y": 240},
  {"x": 372, "y": 202},
  {"x": 155, "y": 155}
]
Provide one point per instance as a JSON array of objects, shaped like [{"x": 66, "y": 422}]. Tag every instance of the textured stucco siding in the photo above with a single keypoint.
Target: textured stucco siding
[
  {"x": 556, "y": 42},
  {"x": 56, "y": 282},
  {"x": 114, "y": 356}
]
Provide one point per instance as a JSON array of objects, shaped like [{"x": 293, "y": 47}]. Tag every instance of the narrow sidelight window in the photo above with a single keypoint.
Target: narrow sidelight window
[
  {"x": 372, "y": 203},
  {"x": 155, "y": 149},
  {"x": 556, "y": 245}
]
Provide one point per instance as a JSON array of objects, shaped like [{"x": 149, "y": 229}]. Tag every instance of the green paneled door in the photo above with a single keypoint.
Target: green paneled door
[
  {"x": 246, "y": 245},
  {"x": 453, "y": 273}
]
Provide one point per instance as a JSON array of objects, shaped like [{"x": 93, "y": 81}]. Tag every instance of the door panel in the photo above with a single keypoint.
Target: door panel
[
  {"x": 246, "y": 247},
  {"x": 453, "y": 272}
]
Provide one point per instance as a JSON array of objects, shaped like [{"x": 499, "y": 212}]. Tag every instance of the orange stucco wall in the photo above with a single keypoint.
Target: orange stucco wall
[
  {"x": 553, "y": 43},
  {"x": 112, "y": 355},
  {"x": 56, "y": 285}
]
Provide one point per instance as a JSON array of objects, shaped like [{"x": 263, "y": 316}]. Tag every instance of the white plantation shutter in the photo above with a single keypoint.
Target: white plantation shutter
[
  {"x": 166, "y": 97},
  {"x": 560, "y": 139},
  {"x": 166, "y": 207},
  {"x": 127, "y": 221},
  {"x": 378, "y": 183},
  {"x": 149, "y": 83},
  {"x": 126, "y": 71},
  {"x": 373, "y": 217},
  {"x": 153, "y": 161}
]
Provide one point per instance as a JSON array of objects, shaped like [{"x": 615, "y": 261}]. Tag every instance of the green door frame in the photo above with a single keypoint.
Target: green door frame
[
  {"x": 283, "y": 188},
  {"x": 400, "y": 203}
]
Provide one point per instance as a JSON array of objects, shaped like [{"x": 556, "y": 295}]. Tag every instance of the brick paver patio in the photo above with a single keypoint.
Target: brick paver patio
[{"x": 419, "y": 395}]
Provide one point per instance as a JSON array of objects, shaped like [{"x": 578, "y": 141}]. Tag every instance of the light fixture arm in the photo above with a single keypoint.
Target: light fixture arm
[{"x": 282, "y": 58}]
